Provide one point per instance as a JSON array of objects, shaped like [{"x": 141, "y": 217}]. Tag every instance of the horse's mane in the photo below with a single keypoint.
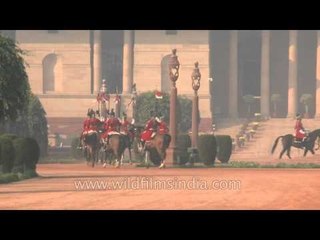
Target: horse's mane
[{"x": 315, "y": 133}]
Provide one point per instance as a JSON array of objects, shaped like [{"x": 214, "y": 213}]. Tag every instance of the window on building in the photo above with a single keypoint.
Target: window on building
[
  {"x": 49, "y": 73},
  {"x": 53, "y": 31},
  {"x": 171, "y": 32}
]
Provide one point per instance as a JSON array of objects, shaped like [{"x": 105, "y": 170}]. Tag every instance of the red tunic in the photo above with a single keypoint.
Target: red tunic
[
  {"x": 297, "y": 128},
  {"x": 86, "y": 124},
  {"x": 93, "y": 124},
  {"x": 163, "y": 129},
  {"x": 150, "y": 127},
  {"x": 111, "y": 125},
  {"x": 125, "y": 128}
]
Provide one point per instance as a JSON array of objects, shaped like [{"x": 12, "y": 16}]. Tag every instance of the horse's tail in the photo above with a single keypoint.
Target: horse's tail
[{"x": 275, "y": 144}]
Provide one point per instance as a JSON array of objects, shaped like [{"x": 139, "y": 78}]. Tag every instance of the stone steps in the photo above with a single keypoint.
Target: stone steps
[{"x": 260, "y": 146}]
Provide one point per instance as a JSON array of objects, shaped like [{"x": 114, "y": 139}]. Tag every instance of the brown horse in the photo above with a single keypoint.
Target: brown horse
[
  {"x": 91, "y": 143},
  {"x": 115, "y": 148},
  {"x": 155, "y": 148}
]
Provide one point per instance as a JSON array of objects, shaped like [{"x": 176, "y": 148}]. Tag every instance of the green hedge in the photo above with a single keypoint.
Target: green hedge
[
  {"x": 183, "y": 143},
  {"x": 27, "y": 152},
  {"x": 33, "y": 154},
  {"x": 75, "y": 152},
  {"x": 207, "y": 149},
  {"x": 7, "y": 154},
  {"x": 224, "y": 147},
  {"x": 19, "y": 155}
]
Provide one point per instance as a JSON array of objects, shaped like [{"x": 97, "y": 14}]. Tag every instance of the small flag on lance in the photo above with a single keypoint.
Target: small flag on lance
[{"x": 158, "y": 94}]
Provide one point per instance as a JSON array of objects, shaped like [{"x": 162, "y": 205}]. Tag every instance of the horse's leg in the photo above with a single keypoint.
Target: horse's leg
[
  {"x": 105, "y": 158},
  {"x": 118, "y": 157},
  {"x": 92, "y": 156},
  {"x": 282, "y": 152},
  {"x": 146, "y": 154},
  {"x": 130, "y": 160},
  {"x": 305, "y": 151},
  {"x": 117, "y": 164},
  {"x": 312, "y": 151},
  {"x": 121, "y": 159},
  {"x": 163, "y": 157},
  {"x": 288, "y": 152}
]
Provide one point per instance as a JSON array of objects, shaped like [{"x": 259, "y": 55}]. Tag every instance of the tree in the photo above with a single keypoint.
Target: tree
[
  {"x": 14, "y": 84},
  {"x": 147, "y": 102},
  {"x": 307, "y": 100},
  {"x": 37, "y": 124},
  {"x": 275, "y": 99},
  {"x": 249, "y": 100}
]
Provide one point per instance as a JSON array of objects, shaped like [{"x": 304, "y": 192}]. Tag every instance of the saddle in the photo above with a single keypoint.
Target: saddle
[
  {"x": 113, "y": 133},
  {"x": 90, "y": 132},
  {"x": 297, "y": 140}
]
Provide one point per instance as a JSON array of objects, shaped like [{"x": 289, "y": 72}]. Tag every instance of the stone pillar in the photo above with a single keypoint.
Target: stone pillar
[
  {"x": 128, "y": 61},
  {"x": 233, "y": 74},
  {"x": 293, "y": 73},
  {"x": 97, "y": 61},
  {"x": 265, "y": 73},
  {"x": 318, "y": 77}
]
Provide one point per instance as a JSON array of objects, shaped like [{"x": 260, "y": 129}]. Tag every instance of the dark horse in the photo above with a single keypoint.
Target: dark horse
[
  {"x": 288, "y": 142},
  {"x": 115, "y": 148},
  {"x": 128, "y": 143},
  {"x": 155, "y": 148},
  {"x": 91, "y": 142}
]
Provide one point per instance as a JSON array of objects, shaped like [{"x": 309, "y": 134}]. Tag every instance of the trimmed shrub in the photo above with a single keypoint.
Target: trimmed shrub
[
  {"x": 75, "y": 152},
  {"x": 19, "y": 155},
  {"x": 7, "y": 154},
  {"x": 183, "y": 143},
  {"x": 224, "y": 147},
  {"x": 8, "y": 177},
  {"x": 33, "y": 154},
  {"x": 207, "y": 149},
  {"x": 28, "y": 152}
]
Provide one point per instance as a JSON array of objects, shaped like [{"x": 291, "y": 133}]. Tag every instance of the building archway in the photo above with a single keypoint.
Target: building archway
[
  {"x": 52, "y": 73},
  {"x": 165, "y": 81}
]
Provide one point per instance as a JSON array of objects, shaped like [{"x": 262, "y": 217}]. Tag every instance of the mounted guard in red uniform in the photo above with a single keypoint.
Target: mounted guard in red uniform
[
  {"x": 162, "y": 126},
  {"x": 126, "y": 126},
  {"x": 150, "y": 129},
  {"x": 112, "y": 126},
  {"x": 300, "y": 133},
  {"x": 90, "y": 124}
]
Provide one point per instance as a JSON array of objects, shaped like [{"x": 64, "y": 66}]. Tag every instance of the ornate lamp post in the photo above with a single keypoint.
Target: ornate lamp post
[
  {"x": 174, "y": 66},
  {"x": 196, "y": 77},
  {"x": 102, "y": 99}
]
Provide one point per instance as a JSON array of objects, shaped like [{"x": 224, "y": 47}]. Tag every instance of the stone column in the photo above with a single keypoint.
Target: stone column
[
  {"x": 128, "y": 61},
  {"x": 233, "y": 74},
  {"x": 318, "y": 77},
  {"x": 293, "y": 73},
  {"x": 265, "y": 74},
  {"x": 97, "y": 61},
  {"x": 195, "y": 124}
]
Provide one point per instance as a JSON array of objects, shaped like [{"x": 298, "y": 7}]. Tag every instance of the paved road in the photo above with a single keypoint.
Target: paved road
[{"x": 67, "y": 186}]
